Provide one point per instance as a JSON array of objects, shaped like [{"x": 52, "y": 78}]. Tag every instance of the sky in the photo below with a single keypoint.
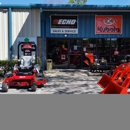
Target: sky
[{"x": 89, "y": 2}]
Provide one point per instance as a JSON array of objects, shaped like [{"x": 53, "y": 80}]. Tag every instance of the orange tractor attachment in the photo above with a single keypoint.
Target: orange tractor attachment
[{"x": 118, "y": 82}]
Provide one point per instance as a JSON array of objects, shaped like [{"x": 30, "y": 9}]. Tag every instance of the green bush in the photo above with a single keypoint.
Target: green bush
[
  {"x": 7, "y": 65},
  {"x": 38, "y": 62}
]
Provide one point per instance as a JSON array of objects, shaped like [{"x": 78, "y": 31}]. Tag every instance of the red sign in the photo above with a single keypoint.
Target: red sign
[
  {"x": 64, "y": 21},
  {"x": 108, "y": 24}
]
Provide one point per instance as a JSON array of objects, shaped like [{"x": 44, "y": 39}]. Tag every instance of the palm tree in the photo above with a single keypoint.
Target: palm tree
[{"x": 79, "y": 2}]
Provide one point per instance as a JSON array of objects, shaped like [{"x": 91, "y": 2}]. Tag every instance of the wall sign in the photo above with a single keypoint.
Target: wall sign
[
  {"x": 108, "y": 24},
  {"x": 64, "y": 24}
]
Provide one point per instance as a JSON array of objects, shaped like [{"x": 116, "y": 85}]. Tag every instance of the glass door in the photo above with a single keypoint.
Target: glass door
[
  {"x": 75, "y": 53},
  {"x": 89, "y": 51},
  {"x": 57, "y": 50}
]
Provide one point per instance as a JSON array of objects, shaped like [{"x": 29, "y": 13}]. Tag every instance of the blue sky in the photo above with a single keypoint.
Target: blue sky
[{"x": 89, "y": 2}]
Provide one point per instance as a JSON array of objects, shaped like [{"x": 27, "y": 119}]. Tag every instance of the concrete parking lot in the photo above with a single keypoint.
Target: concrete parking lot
[{"x": 65, "y": 81}]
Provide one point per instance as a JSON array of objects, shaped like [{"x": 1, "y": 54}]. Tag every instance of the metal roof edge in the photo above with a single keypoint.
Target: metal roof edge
[
  {"x": 68, "y": 6},
  {"x": 14, "y": 6}
]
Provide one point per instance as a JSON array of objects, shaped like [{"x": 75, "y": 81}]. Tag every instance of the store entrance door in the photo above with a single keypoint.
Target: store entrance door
[
  {"x": 57, "y": 50},
  {"x": 75, "y": 54},
  {"x": 65, "y": 53}
]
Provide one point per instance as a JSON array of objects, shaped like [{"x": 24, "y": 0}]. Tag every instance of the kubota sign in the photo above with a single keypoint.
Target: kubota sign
[
  {"x": 108, "y": 24},
  {"x": 64, "y": 24}
]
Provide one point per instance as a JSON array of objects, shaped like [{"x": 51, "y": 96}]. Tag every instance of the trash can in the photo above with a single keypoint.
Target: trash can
[{"x": 49, "y": 64}]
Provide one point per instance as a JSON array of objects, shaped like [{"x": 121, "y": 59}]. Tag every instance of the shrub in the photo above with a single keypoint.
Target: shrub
[
  {"x": 7, "y": 65},
  {"x": 38, "y": 61}
]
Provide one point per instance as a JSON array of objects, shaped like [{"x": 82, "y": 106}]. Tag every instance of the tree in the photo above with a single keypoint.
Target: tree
[{"x": 79, "y": 2}]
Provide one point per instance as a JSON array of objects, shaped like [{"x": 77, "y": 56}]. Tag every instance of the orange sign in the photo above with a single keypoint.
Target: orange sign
[{"x": 108, "y": 24}]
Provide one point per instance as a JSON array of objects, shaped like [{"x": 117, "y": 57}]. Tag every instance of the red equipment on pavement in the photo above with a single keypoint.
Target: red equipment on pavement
[
  {"x": 26, "y": 72},
  {"x": 118, "y": 82}
]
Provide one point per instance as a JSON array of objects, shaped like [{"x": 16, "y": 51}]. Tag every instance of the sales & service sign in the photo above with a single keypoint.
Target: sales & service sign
[
  {"x": 108, "y": 24},
  {"x": 64, "y": 24}
]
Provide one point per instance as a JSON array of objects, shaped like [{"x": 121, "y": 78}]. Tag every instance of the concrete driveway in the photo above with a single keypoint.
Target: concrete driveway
[{"x": 65, "y": 81}]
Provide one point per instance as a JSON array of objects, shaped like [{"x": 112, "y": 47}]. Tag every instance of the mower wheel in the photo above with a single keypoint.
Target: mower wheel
[
  {"x": 5, "y": 87},
  {"x": 33, "y": 87}
]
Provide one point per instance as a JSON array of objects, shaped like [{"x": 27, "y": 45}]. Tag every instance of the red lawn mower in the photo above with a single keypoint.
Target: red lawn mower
[{"x": 26, "y": 73}]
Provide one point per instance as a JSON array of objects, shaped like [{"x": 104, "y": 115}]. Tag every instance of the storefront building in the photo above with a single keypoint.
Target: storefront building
[{"x": 64, "y": 33}]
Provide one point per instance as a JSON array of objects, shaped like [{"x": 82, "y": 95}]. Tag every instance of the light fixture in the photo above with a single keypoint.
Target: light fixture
[
  {"x": 5, "y": 10},
  {"x": 65, "y": 35}
]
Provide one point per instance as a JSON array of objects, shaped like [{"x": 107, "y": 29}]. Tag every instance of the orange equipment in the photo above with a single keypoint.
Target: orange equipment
[
  {"x": 89, "y": 59},
  {"x": 118, "y": 82}
]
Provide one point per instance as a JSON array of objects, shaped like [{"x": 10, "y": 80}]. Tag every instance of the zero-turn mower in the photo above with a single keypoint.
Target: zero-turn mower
[{"x": 26, "y": 73}]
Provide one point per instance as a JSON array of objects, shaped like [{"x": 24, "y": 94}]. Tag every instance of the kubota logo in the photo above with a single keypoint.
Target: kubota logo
[
  {"x": 64, "y": 21},
  {"x": 108, "y": 21}
]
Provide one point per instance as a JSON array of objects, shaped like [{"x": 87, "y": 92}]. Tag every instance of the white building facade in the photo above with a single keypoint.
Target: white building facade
[{"x": 17, "y": 24}]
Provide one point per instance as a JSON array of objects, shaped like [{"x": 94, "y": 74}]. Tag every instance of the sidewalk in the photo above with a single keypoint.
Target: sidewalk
[
  {"x": 67, "y": 81},
  {"x": 72, "y": 81}
]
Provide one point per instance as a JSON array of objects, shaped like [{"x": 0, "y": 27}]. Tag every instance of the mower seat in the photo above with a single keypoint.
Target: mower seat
[{"x": 26, "y": 63}]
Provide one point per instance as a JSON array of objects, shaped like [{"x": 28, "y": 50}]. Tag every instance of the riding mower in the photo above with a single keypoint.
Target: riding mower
[{"x": 26, "y": 73}]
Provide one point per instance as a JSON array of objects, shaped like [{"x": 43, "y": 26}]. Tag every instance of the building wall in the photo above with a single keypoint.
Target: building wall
[
  {"x": 86, "y": 28},
  {"x": 25, "y": 23},
  {"x": 3, "y": 35}
]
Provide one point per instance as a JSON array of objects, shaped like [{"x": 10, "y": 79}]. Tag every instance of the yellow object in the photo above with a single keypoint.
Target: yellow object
[
  {"x": 49, "y": 64},
  {"x": 63, "y": 46}
]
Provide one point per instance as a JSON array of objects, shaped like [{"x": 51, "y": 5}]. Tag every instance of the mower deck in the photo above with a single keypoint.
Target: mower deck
[{"x": 23, "y": 80}]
